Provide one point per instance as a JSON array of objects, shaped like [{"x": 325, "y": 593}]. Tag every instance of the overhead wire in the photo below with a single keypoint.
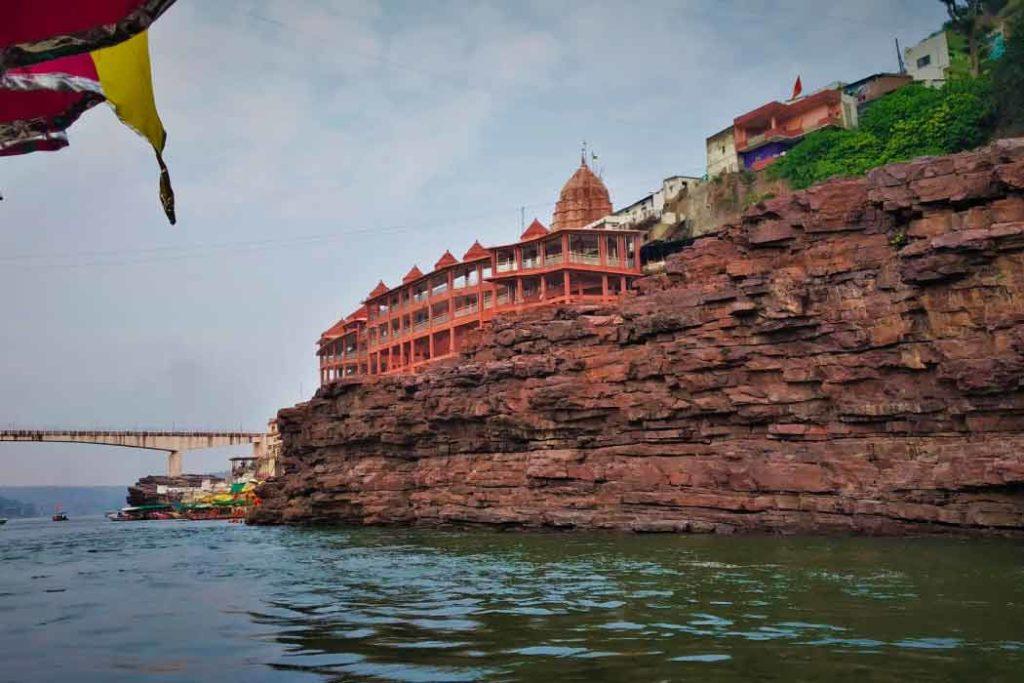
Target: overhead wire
[{"x": 164, "y": 253}]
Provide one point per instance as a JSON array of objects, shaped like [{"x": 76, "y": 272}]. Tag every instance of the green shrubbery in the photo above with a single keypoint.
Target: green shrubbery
[
  {"x": 918, "y": 121},
  {"x": 913, "y": 121},
  {"x": 1008, "y": 84}
]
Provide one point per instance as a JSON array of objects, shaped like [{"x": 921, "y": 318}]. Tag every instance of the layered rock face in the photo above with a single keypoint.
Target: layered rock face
[{"x": 848, "y": 358}]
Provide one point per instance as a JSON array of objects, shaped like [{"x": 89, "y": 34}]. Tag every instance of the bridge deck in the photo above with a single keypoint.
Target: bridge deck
[{"x": 174, "y": 443}]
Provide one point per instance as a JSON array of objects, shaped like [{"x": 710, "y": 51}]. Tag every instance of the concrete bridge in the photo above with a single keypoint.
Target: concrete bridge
[{"x": 173, "y": 443}]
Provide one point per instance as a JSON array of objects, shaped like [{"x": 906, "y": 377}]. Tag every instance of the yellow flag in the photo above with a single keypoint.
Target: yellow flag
[{"x": 127, "y": 82}]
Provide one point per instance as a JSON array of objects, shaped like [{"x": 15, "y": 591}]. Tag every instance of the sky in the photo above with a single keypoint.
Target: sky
[{"x": 317, "y": 146}]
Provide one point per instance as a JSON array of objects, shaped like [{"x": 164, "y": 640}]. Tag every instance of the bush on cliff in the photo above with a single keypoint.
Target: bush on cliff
[
  {"x": 1008, "y": 84},
  {"x": 911, "y": 122}
]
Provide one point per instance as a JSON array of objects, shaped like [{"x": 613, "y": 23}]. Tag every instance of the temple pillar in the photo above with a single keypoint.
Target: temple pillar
[
  {"x": 565, "y": 284},
  {"x": 174, "y": 464},
  {"x": 604, "y": 286}
]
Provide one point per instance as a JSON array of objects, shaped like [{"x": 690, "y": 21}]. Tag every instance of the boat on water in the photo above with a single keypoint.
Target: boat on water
[
  {"x": 192, "y": 512},
  {"x": 140, "y": 513},
  {"x": 3, "y": 520},
  {"x": 59, "y": 515}
]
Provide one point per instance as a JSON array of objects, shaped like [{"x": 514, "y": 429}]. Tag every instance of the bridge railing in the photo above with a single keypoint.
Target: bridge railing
[{"x": 123, "y": 432}]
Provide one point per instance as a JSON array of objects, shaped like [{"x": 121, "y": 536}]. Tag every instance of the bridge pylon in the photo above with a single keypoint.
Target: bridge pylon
[{"x": 174, "y": 464}]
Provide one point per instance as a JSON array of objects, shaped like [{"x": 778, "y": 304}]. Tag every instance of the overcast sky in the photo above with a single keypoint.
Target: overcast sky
[{"x": 316, "y": 147}]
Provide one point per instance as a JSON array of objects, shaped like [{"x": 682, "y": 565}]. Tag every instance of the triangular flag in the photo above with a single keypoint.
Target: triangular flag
[
  {"x": 127, "y": 82},
  {"x": 798, "y": 88},
  {"x": 39, "y": 102}
]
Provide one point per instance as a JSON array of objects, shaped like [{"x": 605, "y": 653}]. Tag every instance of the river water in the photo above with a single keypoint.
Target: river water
[{"x": 91, "y": 600}]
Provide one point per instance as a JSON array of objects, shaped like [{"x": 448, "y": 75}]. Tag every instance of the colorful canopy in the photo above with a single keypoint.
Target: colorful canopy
[
  {"x": 38, "y": 102},
  {"x": 33, "y": 31}
]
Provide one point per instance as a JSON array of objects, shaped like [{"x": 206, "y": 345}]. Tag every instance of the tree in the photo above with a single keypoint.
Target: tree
[
  {"x": 966, "y": 19},
  {"x": 1008, "y": 83}
]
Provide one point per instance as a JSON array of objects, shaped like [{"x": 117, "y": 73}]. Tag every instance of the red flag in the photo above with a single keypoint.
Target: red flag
[{"x": 798, "y": 88}]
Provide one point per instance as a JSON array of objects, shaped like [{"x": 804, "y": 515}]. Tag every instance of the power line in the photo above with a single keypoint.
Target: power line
[{"x": 117, "y": 257}]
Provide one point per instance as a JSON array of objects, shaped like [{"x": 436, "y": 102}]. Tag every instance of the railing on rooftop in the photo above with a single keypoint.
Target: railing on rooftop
[
  {"x": 581, "y": 257},
  {"x": 466, "y": 310}
]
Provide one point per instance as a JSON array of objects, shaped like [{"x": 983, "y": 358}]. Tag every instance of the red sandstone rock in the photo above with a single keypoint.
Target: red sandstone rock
[{"x": 848, "y": 359}]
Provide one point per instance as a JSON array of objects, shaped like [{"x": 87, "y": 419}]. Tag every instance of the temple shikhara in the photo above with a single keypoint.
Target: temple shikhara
[{"x": 582, "y": 257}]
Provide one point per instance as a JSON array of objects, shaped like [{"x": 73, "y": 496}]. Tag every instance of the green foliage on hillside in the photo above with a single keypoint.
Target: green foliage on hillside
[
  {"x": 1008, "y": 83},
  {"x": 911, "y": 122}
]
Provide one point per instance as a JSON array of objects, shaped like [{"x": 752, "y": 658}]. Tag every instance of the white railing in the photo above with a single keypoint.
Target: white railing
[
  {"x": 443, "y": 318},
  {"x": 554, "y": 258},
  {"x": 506, "y": 267},
  {"x": 466, "y": 310}
]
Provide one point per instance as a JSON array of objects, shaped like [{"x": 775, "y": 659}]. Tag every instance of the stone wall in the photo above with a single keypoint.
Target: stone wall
[{"x": 848, "y": 358}]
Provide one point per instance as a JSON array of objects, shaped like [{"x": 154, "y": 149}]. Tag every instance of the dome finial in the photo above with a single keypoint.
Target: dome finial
[{"x": 583, "y": 154}]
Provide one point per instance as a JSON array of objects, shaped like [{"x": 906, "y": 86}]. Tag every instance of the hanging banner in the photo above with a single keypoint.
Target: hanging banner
[
  {"x": 33, "y": 31},
  {"x": 40, "y": 101}
]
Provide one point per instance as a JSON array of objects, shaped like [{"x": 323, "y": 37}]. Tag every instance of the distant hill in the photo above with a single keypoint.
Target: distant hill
[
  {"x": 16, "y": 508},
  {"x": 40, "y": 501}
]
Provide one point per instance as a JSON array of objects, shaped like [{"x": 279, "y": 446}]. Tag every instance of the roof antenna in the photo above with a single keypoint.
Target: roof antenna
[{"x": 583, "y": 154}]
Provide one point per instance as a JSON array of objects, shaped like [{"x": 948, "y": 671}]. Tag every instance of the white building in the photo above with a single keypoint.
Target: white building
[
  {"x": 722, "y": 157},
  {"x": 649, "y": 210},
  {"x": 928, "y": 61}
]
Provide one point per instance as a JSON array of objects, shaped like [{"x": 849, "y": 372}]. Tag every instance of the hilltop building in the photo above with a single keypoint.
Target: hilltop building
[
  {"x": 268, "y": 452},
  {"x": 929, "y": 60},
  {"x": 721, "y": 150},
  {"x": 764, "y": 134},
  {"x": 757, "y": 138},
  {"x": 583, "y": 257},
  {"x": 868, "y": 89},
  {"x": 656, "y": 213}
]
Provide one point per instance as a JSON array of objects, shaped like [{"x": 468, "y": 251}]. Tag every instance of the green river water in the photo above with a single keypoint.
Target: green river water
[{"x": 92, "y": 600}]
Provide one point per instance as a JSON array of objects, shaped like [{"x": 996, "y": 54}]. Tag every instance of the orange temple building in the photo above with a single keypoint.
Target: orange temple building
[{"x": 427, "y": 317}]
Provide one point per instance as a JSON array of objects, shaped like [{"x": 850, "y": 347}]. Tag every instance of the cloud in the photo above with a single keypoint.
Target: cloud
[{"x": 398, "y": 130}]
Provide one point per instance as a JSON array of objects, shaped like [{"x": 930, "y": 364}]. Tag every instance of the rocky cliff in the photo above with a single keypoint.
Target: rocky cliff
[{"x": 847, "y": 358}]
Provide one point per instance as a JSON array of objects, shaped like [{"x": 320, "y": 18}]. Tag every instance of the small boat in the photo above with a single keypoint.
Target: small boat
[
  {"x": 3, "y": 520},
  {"x": 59, "y": 515}
]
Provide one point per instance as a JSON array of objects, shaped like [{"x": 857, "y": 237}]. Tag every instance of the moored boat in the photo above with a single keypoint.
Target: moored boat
[{"x": 59, "y": 515}]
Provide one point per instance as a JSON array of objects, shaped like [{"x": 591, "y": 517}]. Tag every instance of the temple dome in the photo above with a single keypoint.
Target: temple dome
[{"x": 584, "y": 199}]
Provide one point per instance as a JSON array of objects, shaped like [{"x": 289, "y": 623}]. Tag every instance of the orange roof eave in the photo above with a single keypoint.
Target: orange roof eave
[
  {"x": 775, "y": 108},
  {"x": 426, "y": 276}
]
